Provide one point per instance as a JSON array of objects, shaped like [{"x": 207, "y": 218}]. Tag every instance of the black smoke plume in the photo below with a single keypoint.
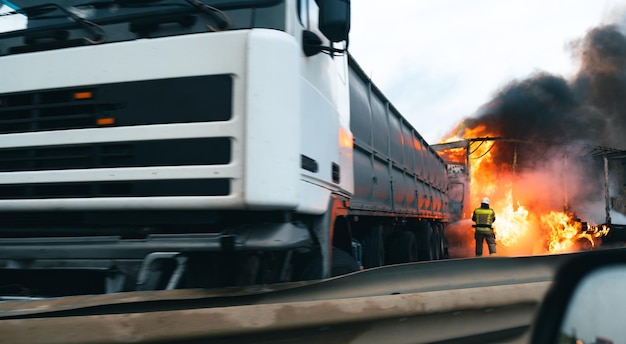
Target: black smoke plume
[
  {"x": 557, "y": 122},
  {"x": 591, "y": 107}
]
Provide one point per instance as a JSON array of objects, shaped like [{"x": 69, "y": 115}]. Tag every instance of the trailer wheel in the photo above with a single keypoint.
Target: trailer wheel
[
  {"x": 425, "y": 242},
  {"x": 402, "y": 248},
  {"x": 441, "y": 250},
  {"x": 436, "y": 244},
  {"x": 373, "y": 248}
]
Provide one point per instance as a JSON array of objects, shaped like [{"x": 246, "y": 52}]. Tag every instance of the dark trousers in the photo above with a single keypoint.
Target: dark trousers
[{"x": 488, "y": 236}]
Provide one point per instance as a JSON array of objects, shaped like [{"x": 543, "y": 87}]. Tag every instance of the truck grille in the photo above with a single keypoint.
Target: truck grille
[
  {"x": 176, "y": 100},
  {"x": 140, "y": 188},
  {"x": 175, "y": 152}
]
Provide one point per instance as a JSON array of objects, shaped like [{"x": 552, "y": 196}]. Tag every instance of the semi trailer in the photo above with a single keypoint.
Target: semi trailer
[{"x": 164, "y": 144}]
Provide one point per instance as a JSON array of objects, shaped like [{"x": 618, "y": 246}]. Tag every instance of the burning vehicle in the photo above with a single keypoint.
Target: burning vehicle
[
  {"x": 549, "y": 153},
  {"x": 533, "y": 204}
]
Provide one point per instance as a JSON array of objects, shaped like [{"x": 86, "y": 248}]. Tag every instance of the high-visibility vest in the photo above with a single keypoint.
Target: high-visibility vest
[{"x": 484, "y": 217}]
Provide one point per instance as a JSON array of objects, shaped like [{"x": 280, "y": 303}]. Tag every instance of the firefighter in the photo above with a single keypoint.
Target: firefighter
[{"x": 484, "y": 217}]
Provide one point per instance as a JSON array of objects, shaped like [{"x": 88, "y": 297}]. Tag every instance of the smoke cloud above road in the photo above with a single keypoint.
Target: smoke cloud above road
[
  {"x": 549, "y": 134},
  {"x": 589, "y": 108}
]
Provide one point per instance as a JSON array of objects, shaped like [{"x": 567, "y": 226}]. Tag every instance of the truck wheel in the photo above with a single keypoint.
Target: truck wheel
[
  {"x": 373, "y": 249},
  {"x": 436, "y": 245},
  {"x": 425, "y": 243},
  {"x": 441, "y": 251},
  {"x": 402, "y": 248},
  {"x": 342, "y": 263}
]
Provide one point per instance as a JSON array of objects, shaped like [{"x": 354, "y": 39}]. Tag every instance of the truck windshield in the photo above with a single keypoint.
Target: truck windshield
[{"x": 26, "y": 14}]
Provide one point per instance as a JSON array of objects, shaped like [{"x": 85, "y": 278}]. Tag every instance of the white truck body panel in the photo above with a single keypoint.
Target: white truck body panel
[{"x": 268, "y": 104}]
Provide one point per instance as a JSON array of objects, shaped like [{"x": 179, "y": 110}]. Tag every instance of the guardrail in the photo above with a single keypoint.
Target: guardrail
[{"x": 443, "y": 301}]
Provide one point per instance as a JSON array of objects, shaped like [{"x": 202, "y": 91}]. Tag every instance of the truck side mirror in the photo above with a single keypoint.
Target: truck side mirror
[
  {"x": 586, "y": 303},
  {"x": 334, "y": 19}
]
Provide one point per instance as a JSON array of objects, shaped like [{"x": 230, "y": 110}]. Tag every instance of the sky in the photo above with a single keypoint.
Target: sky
[{"x": 438, "y": 61}]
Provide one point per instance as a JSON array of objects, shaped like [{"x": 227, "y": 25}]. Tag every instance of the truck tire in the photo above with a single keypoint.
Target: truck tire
[
  {"x": 434, "y": 249},
  {"x": 439, "y": 243},
  {"x": 342, "y": 263},
  {"x": 425, "y": 244},
  {"x": 401, "y": 248},
  {"x": 373, "y": 248},
  {"x": 436, "y": 244}
]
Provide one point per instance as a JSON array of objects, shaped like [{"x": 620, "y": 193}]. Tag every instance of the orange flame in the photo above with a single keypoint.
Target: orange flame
[
  {"x": 512, "y": 222},
  {"x": 537, "y": 227},
  {"x": 454, "y": 155},
  {"x": 563, "y": 232}
]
